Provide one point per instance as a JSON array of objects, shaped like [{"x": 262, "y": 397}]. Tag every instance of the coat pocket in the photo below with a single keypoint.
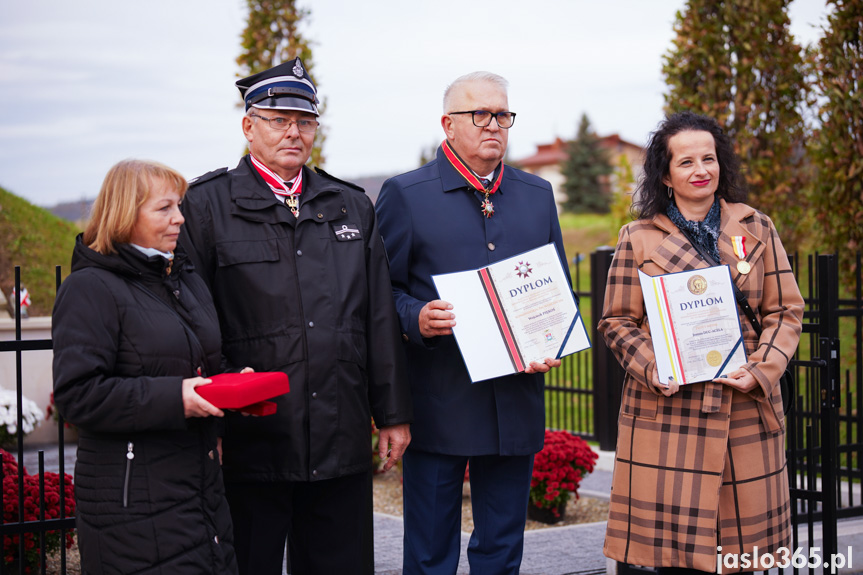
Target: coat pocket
[
  {"x": 243, "y": 252},
  {"x": 638, "y": 401},
  {"x": 771, "y": 414}
]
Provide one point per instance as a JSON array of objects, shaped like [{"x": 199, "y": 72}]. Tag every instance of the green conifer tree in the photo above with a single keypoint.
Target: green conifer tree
[
  {"x": 586, "y": 172},
  {"x": 837, "y": 148},
  {"x": 738, "y": 62},
  {"x": 272, "y": 36}
]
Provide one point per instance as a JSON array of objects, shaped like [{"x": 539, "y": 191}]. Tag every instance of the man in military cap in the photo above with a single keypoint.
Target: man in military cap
[
  {"x": 465, "y": 210},
  {"x": 299, "y": 275}
]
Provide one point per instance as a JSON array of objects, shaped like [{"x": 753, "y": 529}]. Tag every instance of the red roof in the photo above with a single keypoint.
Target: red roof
[
  {"x": 546, "y": 155},
  {"x": 555, "y": 153}
]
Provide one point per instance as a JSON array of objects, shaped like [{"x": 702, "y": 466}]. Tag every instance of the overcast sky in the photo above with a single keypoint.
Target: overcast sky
[{"x": 86, "y": 83}]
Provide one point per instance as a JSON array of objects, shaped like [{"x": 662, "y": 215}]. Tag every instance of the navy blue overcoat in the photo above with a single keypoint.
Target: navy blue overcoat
[{"x": 432, "y": 223}]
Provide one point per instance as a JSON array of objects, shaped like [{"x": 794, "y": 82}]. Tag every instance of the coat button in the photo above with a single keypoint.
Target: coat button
[
  {"x": 210, "y": 454},
  {"x": 320, "y": 216},
  {"x": 405, "y": 337},
  {"x": 491, "y": 246},
  {"x": 314, "y": 395},
  {"x": 314, "y": 471},
  {"x": 344, "y": 210},
  {"x": 311, "y": 324},
  {"x": 216, "y": 539},
  {"x": 299, "y": 252}
]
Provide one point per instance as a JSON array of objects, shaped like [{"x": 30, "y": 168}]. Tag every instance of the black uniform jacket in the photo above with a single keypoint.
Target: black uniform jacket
[
  {"x": 311, "y": 297},
  {"x": 147, "y": 480}
]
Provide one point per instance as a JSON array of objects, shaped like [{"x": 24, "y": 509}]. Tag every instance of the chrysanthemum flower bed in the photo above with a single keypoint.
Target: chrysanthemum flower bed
[
  {"x": 558, "y": 469},
  {"x": 31, "y": 512}
]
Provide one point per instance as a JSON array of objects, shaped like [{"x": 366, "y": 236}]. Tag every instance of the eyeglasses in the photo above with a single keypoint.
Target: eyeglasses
[
  {"x": 482, "y": 118},
  {"x": 284, "y": 124}
]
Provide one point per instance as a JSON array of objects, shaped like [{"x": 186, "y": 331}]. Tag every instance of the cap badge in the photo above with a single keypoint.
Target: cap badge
[{"x": 298, "y": 69}]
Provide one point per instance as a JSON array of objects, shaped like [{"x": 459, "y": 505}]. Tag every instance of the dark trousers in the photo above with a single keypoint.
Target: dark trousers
[
  {"x": 499, "y": 490},
  {"x": 327, "y": 524}
]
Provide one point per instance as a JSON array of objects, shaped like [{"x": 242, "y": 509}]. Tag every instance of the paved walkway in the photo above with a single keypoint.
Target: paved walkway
[
  {"x": 577, "y": 549},
  {"x": 551, "y": 551},
  {"x": 569, "y": 550}
]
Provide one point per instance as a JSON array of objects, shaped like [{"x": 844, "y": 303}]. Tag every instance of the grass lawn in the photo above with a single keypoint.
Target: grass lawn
[{"x": 36, "y": 240}]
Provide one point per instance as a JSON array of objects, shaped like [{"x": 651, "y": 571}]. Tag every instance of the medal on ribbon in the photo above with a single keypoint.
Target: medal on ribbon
[
  {"x": 290, "y": 194},
  {"x": 486, "y": 206},
  {"x": 739, "y": 245}
]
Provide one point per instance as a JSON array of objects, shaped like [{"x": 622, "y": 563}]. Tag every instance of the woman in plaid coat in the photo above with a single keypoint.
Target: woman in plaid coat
[{"x": 703, "y": 465}]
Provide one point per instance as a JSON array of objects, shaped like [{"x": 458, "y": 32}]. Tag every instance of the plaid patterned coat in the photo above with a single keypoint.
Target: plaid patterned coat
[{"x": 706, "y": 466}]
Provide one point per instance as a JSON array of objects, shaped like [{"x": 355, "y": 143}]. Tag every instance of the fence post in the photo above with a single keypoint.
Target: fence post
[
  {"x": 607, "y": 373},
  {"x": 828, "y": 290}
]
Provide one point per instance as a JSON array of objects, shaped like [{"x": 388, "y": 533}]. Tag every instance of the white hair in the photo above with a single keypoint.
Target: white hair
[{"x": 498, "y": 81}]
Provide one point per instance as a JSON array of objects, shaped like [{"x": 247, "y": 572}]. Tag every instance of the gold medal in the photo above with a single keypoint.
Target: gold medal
[
  {"x": 739, "y": 245},
  {"x": 293, "y": 202}
]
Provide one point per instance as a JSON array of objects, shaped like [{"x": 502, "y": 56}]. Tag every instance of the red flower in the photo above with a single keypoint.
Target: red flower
[
  {"x": 30, "y": 511},
  {"x": 559, "y": 468}
]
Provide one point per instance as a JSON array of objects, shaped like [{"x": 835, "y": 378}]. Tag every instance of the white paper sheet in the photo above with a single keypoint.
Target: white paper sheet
[
  {"x": 694, "y": 324},
  {"x": 536, "y": 318}
]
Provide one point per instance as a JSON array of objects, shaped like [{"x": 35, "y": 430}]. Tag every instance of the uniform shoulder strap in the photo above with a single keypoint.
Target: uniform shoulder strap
[
  {"x": 208, "y": 176},
  {"x": 335, "y": 179}
]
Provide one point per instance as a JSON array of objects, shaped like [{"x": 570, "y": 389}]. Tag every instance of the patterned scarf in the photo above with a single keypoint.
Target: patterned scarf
[{"x": 704, "y": 233}]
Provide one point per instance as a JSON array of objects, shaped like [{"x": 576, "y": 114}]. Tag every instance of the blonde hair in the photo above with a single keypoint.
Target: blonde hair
[{"x": 126, "y": 187}]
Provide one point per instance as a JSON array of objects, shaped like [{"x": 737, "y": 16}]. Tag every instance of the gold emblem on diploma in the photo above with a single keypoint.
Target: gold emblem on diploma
[
  {"x": 714, "y": 358},
  {"x": 696, "y": 285}
]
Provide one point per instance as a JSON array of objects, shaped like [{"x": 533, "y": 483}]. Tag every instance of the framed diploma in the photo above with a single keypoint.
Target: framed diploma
[
  {"x": 694, "y": 324},
  {"x": 513, "y": 312}
]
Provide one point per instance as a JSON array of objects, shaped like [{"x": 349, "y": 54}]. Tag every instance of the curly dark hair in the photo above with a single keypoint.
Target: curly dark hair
[{"x": 651, "y": 195}]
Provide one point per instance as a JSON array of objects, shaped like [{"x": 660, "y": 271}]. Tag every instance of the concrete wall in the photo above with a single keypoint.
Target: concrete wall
[{"x": 36, "y": 373}]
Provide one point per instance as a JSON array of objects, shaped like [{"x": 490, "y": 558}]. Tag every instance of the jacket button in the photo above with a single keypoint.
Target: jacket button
[
  {"x": 311, "y": 324},
  {"x": 344, "y": 210},
  {"x": 491, "y": 246},
  {"x": 299, "y": 252},
  {"x": 320, "y": 216},
  {"x": 405, "y": 337},
  {"x": 216, "y": 539},
  {"x": 314, "y": 471},
  {"x": 210, "y": 454},
  {"x": 314, "y": 395}
]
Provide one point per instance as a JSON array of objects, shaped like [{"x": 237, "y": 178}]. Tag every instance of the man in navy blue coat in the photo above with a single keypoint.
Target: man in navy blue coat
[{"x": 465, "y": 210}]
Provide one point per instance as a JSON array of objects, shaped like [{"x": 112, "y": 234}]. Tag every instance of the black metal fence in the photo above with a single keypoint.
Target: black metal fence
[
  {"x": 28, "y": 502},
  {"x": 825, "y": 430},
  {"x": 570, "y": 398}
]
